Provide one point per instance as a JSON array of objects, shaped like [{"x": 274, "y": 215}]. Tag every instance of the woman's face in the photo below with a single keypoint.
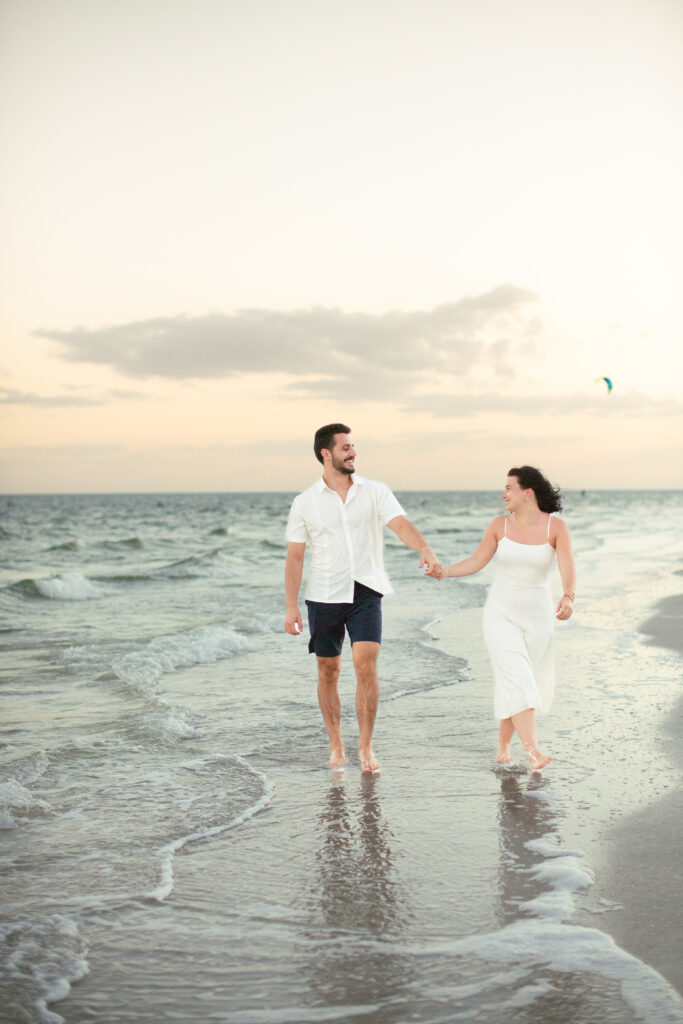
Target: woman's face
[{"x": 513, "y": 495}]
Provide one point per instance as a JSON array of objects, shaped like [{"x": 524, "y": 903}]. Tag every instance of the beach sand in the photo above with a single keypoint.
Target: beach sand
[{"x": 390, "y": 898}]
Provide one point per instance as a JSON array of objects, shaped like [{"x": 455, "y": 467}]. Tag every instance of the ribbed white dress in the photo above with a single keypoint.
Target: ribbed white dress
[{"x": 518, "y": 627}]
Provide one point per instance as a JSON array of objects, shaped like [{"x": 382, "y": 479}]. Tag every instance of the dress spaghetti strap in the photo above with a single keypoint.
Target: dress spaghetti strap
[{"x": 547, "y": 536}]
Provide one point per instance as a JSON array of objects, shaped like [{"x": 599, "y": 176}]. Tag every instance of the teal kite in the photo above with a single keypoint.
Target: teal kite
[{"x": 607, "y": 381}]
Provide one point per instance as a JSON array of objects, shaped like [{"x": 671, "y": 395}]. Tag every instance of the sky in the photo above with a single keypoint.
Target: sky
[{"x": 438, "y": 221}]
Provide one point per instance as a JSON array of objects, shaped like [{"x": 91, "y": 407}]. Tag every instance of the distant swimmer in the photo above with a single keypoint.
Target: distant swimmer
[
  {"x": 341, "y": 517},
  {"x": 518, "y": 614}
]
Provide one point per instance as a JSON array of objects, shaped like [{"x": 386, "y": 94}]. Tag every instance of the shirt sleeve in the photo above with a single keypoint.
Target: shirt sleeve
[
  {"x": 296, "y": 532},
  {"x": 388, "y": 506}
]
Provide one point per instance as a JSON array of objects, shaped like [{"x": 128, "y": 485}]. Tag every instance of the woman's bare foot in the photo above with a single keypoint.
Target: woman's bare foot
[
  {"x": 504, "y": 756},
  {"x": 337, "y": 758},
  {"x": 368, "y": 761},
  {"x": 537, "y": 760}
]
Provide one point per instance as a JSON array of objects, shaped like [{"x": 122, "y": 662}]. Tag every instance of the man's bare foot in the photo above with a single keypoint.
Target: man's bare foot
[
  {"x": 368, "y": 761},
  {"x": 337, "y": 758},
  {"x": 537, "y": 760},
  {"x": 504, "y": 756}
]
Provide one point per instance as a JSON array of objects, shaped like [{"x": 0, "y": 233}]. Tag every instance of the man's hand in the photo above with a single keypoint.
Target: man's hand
[
  {"x": 430, "y": 563},
  {"x": 293, "y": 622}
]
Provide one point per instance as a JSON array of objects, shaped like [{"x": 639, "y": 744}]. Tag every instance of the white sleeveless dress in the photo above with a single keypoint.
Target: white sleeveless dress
[{"x": 518, "y": 627}]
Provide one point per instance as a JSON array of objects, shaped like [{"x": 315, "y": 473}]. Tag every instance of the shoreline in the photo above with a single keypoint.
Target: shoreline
[
  {"x": 643, "y": 868},
  {"x": 637, "y": 898}
]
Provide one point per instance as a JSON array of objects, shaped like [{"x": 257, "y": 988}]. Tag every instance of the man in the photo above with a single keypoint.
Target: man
[{"x": 341, "y": 517}]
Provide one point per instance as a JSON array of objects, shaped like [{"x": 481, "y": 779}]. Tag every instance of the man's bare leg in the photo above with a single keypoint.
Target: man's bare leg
[
  {"x": 330, "y": 705},
  {"x": 365, "y": 654},
  {"x": 525, "y": 724},
  {"x": 506, "y": 731}
]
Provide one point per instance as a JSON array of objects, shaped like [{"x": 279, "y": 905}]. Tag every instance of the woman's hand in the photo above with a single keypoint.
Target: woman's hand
[
  {"x": 564, "y": 608},
  {"x": 435, "y": 569}
]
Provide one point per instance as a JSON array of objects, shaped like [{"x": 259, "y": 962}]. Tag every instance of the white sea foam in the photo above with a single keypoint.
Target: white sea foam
[
  {"x": 25, "y": 770},
  {"x": 168, "y": 852},
  {"x": 564, "y": 873},
  {"x": 171, "y": 723},
  {"x": 166, "y": 654},
  {"x": 14, "y": 797},
  {"x": 545, "y": 941},
  {"x": 14, "y": 794},
  {"x": 69, "y": 586},
  {"x": 43, "y": 958},
  {"x": 571, "y": 948}
]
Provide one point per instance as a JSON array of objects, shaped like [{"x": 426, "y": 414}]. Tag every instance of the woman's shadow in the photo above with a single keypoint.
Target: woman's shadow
[{"x": 525, "y": 815}]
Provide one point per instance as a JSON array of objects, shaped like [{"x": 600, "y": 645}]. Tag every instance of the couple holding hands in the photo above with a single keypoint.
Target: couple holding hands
[{"x": 341, "y": 518}]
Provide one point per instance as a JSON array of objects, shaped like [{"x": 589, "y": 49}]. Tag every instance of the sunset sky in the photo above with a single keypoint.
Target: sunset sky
[{"x": 227, "y": 223}]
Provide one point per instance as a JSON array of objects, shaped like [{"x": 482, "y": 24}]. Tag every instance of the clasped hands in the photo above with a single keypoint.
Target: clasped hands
[{"x": 432, "y": 566}]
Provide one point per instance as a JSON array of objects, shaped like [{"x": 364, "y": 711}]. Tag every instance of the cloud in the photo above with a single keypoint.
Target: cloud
[
  {"x": 634, "y": 403},
  {"x": 11, "y": 397},
  {"x": 65, "y": 451},
  {"x": 394, "y": 348}
]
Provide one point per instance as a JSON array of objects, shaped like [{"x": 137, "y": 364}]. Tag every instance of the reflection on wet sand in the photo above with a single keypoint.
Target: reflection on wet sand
[
  {"x": 356, "y": 893},
  {"x": 527, "y": 814},
  {"x": 524, "y": 814}
]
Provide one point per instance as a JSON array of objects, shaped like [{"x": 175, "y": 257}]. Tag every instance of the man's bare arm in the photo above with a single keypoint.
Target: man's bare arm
[
  {"x": 409, "y": 534},
  {"x": 294, "y": 570}
]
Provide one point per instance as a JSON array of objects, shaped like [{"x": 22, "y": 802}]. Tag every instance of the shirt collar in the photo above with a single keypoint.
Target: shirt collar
[{"x": 322, "y": 486}]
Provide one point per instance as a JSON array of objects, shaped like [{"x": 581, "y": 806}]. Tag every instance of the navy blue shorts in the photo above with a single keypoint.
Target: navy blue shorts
[{"x": 362, "y": 619}]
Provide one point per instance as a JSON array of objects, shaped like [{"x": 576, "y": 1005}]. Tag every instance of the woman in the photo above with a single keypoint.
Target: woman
[{"x": 518, "y": 614}]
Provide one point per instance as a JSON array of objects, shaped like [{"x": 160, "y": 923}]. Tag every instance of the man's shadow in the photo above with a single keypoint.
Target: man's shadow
[{"x": 356, "y": 892}]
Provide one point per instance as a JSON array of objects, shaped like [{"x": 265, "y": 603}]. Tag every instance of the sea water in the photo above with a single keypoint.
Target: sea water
[{"x": 172, "y": 845}]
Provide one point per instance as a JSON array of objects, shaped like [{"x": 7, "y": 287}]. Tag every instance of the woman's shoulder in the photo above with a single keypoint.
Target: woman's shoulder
[
  {"x": 497, "y": 526},
  {"x": 558, "y": 527}
]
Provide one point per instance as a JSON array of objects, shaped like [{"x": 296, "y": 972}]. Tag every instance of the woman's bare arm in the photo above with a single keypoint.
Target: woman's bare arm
[
  {"x": 481, "y": 557},
  {"x": 565, "y": 563}
]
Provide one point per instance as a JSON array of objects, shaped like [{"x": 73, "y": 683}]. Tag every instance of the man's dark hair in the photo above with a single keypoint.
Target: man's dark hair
[{"x": 324, "y": 438}]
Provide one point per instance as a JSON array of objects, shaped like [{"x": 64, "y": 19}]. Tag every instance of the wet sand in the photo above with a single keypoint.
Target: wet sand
[
  {"x": 634, "y": 850},
  {"x": 645, "y": 867}
]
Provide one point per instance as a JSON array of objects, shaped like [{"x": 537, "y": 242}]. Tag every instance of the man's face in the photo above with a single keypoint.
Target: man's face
[{"x": 343, "y": 454}]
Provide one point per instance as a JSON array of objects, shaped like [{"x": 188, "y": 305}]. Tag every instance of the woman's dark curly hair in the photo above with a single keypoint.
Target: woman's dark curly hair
[{"x": 548, "y": 497}]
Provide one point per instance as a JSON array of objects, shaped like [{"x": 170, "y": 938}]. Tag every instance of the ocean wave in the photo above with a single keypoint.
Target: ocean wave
[
  {"x": 273, "y": 545},
  {"x": 13, "y": 798},
  {"x": 17, "y": 803},
  {"x": 25, "y": 770},
  {"x": 68, "y": 545},
  {"x": 41, "y": 961},
  {"x": 131, "y": 543},
  {"x": 69, "y": 586},
  {"x": 215, "y": 564},
  {"x": 168, "y": 852},
  {"x": 169, "y": 724},
  {"x": 165, "y": 654}
]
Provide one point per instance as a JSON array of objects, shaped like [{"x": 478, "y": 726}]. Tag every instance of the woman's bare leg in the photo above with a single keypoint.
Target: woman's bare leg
[
  {"x": 525, "y": 726},
  {"x": 506, "y": 731}
]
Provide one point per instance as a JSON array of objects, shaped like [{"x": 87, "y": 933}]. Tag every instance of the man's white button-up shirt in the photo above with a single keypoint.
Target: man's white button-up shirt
[{"x": 345, "y": 538}]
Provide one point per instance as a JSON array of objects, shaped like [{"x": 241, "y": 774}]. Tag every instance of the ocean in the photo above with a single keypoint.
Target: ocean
[{"x": 173, "y": 847}]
